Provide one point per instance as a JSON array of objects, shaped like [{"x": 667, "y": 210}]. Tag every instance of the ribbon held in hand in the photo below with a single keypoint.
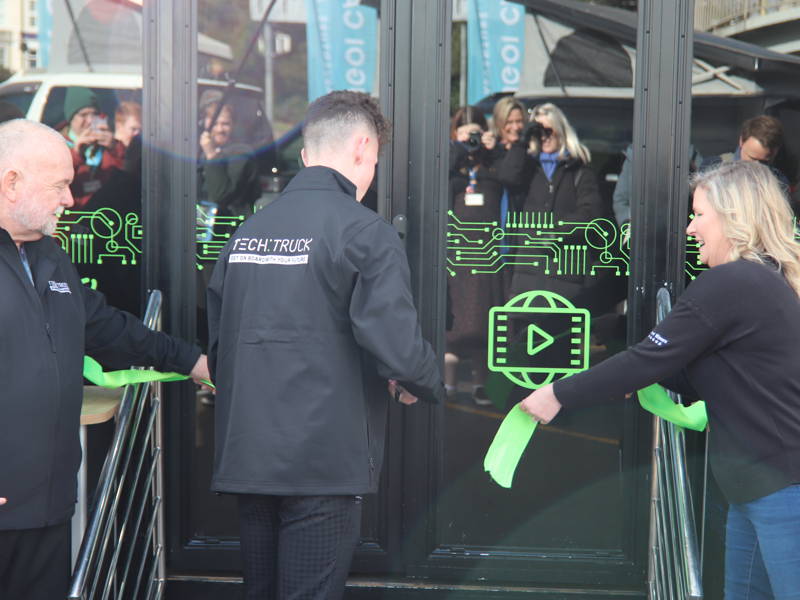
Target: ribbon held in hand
[
  {"x": 517, "y": 428},
  {"x": 116, "y": 379},
  {"x": 656, "y": 399},
  {"x": 508, "y": 445}
]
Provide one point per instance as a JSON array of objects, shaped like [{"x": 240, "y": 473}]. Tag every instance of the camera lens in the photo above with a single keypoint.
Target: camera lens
[{"x": 473, "y": 142}]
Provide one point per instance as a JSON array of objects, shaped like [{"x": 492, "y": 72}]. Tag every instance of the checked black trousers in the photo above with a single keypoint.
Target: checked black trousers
[{"x": 297, "y": 547}]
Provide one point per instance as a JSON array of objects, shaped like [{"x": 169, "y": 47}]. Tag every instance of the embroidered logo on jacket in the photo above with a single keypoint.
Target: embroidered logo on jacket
[
  {"x": 657, "y": 339},
  {"x": 59, "y": 286}
]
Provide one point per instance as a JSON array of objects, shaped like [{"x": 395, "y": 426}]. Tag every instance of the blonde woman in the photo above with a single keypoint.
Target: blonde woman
[
  {"x": 508, "y": 121},
  {"x": 547, "y": 172},
  {"x": 732, "y": 340}
]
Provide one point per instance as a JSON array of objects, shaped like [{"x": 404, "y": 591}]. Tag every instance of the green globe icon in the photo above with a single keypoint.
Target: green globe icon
[{"x": 527, "y": 325}]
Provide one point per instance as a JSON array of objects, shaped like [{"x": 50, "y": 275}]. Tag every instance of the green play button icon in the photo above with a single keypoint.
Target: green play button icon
[{"x": 538, "y": 339}]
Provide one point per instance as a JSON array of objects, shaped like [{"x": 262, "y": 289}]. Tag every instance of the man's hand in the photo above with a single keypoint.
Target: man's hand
[
  {"x": 542, "y": 404},
  {"x": 200, "y": 371},
  {"x": 402, "y": 395},
  {"x": 207, "y": 145},
  {"x": 3, "y": 501}
]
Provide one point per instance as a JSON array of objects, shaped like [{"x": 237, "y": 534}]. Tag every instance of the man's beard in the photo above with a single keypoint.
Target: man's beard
[{"x": 32, "y": 218}]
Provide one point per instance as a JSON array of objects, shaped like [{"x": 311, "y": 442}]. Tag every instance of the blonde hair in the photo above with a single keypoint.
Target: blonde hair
[
  {"x": 502, "y": 110},
  {"x": 756, "y": 217},
  {"x": 566, "y": 134}
]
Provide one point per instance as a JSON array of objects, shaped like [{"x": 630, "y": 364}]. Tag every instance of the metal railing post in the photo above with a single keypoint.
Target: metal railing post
[
  {"x": 674, "y": 565},
  {"x": 113, "y": 562}
]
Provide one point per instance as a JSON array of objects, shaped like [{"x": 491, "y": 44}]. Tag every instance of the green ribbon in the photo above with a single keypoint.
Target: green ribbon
[
  {"x": 116, "y": 379},
  {"x": 508, "y": 445},
  {"x": 656, "y": 399},
  {"x": 517, "y": 428}
]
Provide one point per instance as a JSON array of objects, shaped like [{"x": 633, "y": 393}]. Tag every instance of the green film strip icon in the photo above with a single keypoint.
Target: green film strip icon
[{"x": 538, "y": 337}]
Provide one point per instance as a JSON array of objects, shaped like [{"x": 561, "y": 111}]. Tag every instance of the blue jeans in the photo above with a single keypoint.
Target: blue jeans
[{"x": 762, "y": 548}]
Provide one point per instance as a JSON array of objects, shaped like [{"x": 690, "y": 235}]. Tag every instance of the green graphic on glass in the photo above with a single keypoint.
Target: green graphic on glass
[
  {"x": 533, "y": 239},
  {"x": 537, "y": 337},
  {"x": 95, "y": 237}
]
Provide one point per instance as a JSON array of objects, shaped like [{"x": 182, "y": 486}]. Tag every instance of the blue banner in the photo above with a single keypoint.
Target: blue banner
[
  {"x": 495, "y": 47},
  {"x": 45, "y": 22},
  {"x": 342, "y": 46}
]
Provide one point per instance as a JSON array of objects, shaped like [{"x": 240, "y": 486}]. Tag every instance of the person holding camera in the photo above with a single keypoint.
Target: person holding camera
[
  {"x": 95, "y": 152},
  {"x": 475, "y": 194},
  {"x": 548, "y": 172}
]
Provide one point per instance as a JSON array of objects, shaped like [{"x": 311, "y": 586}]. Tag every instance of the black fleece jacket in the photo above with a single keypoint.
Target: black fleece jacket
[
  {"x": 45, "y": 330},
  {"x": 731, "y": 339}
]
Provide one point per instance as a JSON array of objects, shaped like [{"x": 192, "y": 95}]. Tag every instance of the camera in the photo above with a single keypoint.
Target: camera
[
  {"x": 473, "y": 142},
  {"x": 532, "y": 130}
]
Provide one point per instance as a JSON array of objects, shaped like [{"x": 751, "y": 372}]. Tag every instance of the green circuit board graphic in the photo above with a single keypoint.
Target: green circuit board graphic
[
  {"x": 106, "y": 236},
  {"x": 100, "y": 236},
  {"x": 213, "y": 232},
  {"x": 533, "y": 239},
  {"x": 528, "y": 238}
]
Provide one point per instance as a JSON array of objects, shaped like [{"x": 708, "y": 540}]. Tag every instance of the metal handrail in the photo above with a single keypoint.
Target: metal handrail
[
  {"x": 118, "y": 557},
  {"x": 674, "y": 570}
]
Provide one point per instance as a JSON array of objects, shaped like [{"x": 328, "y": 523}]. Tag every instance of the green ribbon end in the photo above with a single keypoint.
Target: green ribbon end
[{"x": 509, "y": 443}]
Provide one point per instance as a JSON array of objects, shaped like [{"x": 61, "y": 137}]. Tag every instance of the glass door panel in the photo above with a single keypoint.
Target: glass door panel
[
  {"x": 538, "y": 255},
  {"x": 250, "y": 111}
]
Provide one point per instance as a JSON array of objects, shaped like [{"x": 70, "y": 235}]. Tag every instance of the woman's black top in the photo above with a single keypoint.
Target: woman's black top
[{"x": 733, "y": 339}]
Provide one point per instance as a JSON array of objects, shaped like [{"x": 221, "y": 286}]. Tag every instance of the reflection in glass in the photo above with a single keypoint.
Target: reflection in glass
[
  {"x": 89, "y": 89},
  {"x": 475, "y": 200},
  {"x": 547, "y": 264}
]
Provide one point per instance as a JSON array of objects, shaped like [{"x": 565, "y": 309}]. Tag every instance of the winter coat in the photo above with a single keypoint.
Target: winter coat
[
  {"x": 310, "y": 312},
  {"x": 45, "y": 330}
]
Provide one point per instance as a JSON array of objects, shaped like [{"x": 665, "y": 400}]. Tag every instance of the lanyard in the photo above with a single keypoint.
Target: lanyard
[{"x": 473, "y": 181}]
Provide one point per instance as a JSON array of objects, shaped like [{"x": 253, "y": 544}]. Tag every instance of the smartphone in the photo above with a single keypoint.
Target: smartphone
[{"x": 99, "y": 123}]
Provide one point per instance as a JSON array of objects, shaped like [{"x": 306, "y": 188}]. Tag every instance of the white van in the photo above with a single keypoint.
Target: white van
[{"x": 40, "y": 96}]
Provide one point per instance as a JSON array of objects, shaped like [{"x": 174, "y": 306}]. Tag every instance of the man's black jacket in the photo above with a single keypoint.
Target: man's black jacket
[
  {"x": 310, "y": 312},
  {"x": 44, "y": 333}
]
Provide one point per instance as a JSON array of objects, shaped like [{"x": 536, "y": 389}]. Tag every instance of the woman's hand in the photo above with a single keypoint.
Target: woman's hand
[
  {"x": 462, "y": 132},
  {"x": 87, "y": 138},
  {"x": 489, "y": 140},
  {"x": 542, "y": 404}
]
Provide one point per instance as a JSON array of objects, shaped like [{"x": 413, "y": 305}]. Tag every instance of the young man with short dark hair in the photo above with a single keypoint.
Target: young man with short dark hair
[{"x": 310, "y": 314}]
